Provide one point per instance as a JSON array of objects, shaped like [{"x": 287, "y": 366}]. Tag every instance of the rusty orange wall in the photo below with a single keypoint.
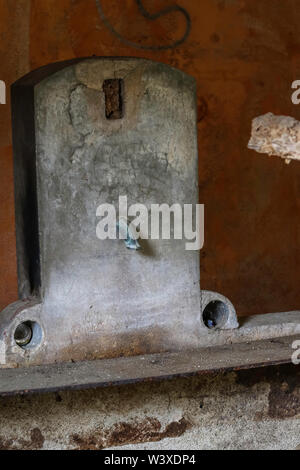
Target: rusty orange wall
[{"x": 245, "y": 55}]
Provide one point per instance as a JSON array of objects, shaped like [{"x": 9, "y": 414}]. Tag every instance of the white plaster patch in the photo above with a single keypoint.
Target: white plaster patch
[{"x": 276, "y": 135}]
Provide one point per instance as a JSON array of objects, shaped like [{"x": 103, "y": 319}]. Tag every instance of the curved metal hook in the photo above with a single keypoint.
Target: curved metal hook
[{"x": 152, "y": 17}]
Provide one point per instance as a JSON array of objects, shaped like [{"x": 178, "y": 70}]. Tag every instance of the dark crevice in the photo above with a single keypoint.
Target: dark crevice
[{"x": 113, "y": 90}]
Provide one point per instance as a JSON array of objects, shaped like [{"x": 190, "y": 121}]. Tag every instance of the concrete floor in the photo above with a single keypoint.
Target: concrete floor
[{"x": 255, "y": 409}]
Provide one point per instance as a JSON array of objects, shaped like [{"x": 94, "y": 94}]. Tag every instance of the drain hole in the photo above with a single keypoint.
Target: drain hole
[
  {"x": 28, "y": 335},
  {"x": 215, "y": 314}
]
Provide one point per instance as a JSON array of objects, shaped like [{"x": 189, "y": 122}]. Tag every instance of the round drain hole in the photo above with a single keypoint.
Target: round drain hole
[
  {"x": 28, "y": 335},
  {"x": 215, "y": 314}
]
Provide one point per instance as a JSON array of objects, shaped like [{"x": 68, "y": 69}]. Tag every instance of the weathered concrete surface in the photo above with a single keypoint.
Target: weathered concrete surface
[
  {"x": 90, "y": 297},
  {"x": 258, "y": 409},
  {"x": 276, "y": 135},
  {"x": 94, "y": 298},
  {"x": 102, "y": 297}
]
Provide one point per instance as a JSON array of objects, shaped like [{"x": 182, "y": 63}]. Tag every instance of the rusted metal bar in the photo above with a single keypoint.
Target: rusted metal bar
[{"x": 118, "y": 371}]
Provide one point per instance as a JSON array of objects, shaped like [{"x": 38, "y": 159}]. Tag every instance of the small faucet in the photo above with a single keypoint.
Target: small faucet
[{"x": 127, "y": 235}]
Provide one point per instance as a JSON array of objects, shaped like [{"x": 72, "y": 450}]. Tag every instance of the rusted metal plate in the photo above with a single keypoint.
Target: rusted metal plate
[{"x": 106, "y": 372}]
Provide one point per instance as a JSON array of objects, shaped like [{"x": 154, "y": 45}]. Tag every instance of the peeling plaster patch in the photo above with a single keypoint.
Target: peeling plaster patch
[{"x": 276, "y": 135}]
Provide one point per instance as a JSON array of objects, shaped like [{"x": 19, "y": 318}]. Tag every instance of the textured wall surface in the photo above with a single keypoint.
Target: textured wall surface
[
  {"x": 244, "y": 54},
  {"x": 244, "y": 410}
]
